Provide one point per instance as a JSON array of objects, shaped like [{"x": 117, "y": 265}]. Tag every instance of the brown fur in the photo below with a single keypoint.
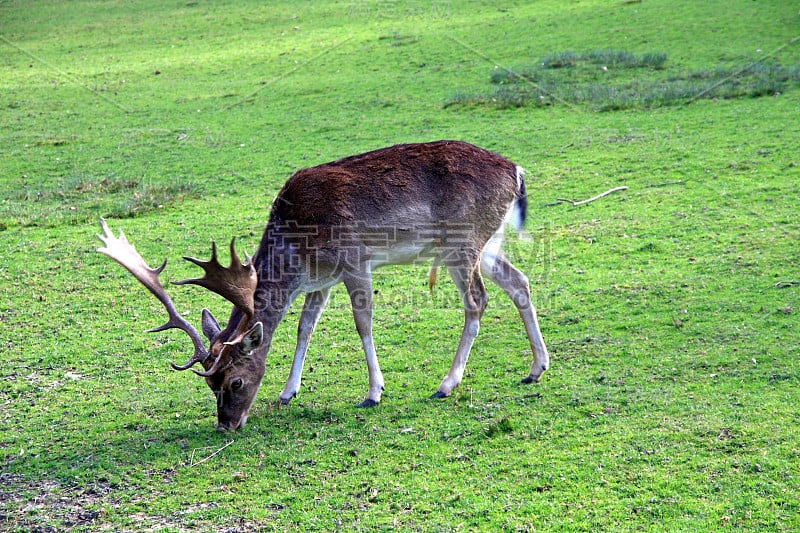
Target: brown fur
[
  {"x": 399, "y": 183},
  {"x": 336, "y": 222}
]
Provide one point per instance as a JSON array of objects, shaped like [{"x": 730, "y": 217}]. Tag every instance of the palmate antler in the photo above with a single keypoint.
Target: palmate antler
[{"x": 236, "y": 284}]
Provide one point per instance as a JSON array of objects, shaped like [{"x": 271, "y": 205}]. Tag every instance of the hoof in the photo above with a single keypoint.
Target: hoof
[
  {"x": 438, "y": 394},
  {"x": 285, "y": 401},
  {"x": 367, "y": 403},
  {"x": 534, "y": 378}
]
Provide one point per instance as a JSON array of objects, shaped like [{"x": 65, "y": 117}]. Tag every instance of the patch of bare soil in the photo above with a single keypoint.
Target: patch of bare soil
[
  {"x": 47, "y": 506},
  {"x": 44, "y": 506}
]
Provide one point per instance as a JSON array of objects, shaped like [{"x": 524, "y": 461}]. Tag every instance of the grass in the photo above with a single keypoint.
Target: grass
[
  {"x": 79, "y": 201},
  {"x": 670, "y": 308},
  {"x": 568, "y": 78},
  {"x": 607, "y": 58}
]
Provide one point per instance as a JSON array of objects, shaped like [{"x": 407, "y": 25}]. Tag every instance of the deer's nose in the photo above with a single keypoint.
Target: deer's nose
[{"x": 232, "y": 426}]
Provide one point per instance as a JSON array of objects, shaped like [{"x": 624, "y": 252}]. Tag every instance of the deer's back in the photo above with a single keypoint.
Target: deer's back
[{"x": 404, "y": 184}]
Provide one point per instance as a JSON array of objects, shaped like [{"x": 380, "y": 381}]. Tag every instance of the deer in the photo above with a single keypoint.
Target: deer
[{"x": 443, "y": 202}]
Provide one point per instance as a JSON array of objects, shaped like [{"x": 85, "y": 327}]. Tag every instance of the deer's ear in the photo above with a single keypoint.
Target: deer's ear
[
  {"x": 210, "y": 325},
  {"x": 253, "y": 338}
]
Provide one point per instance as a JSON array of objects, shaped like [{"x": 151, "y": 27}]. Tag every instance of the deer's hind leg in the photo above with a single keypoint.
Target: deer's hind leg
[
  {"x": 515, "y": 284},
  {"x": 467, "y": 277}
]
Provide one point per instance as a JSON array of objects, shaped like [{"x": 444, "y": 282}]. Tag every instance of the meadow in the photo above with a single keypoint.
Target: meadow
[{"x": 669, "y": 307}]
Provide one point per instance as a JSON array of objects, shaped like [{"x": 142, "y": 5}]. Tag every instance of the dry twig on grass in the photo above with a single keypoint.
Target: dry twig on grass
[
  {"x": 576, "y": 203},
  {"x": 192, "y": 462}
]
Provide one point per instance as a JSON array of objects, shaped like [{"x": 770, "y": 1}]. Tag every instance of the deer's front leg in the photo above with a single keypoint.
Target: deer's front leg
[
  {"x": 359, "y": 286},
  {"x": 312, "y": 310}
]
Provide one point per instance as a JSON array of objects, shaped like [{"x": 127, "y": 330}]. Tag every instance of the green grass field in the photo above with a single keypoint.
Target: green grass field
[{"x": 670, "y": 308}]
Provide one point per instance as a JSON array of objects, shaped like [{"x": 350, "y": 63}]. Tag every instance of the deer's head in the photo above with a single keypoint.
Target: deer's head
[
  {"x": 233, "y": 369},
  {"x": 233, "y": 364}
]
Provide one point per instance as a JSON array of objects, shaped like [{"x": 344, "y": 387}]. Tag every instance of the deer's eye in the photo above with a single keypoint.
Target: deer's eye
[{"x": 236, "y": 384}]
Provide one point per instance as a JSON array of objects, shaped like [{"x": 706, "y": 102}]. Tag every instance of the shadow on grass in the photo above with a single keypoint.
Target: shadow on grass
[{"x": 149, "y": 471}]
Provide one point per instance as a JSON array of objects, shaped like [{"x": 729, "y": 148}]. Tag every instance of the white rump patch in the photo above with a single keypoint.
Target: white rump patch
[{"x": 493, "y": 247}]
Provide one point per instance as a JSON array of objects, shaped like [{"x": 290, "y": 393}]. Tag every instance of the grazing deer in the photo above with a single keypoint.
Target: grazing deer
[{"x": 445, "y": 202}]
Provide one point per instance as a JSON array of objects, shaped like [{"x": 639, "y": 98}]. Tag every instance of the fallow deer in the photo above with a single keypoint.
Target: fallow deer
[{"x": 444, "y": 202}]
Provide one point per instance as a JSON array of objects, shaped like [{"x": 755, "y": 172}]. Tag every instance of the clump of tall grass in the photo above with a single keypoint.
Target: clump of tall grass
[
  {"x": 609, "y": 58},
  {"x": 525, "y": 73},
  {"x": 596, "y": 79},
  {"x": 560, "y": 60},
  {"x": 501, "y": 98}
]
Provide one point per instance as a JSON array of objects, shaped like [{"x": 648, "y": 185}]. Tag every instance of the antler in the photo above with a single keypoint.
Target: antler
[
  {"x": 237, "y": 283},
  {"x": 120, "y": 250}
]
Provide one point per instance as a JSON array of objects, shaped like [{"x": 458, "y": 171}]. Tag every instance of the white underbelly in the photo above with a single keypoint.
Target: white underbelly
[{"x": 401, "y": 254}]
